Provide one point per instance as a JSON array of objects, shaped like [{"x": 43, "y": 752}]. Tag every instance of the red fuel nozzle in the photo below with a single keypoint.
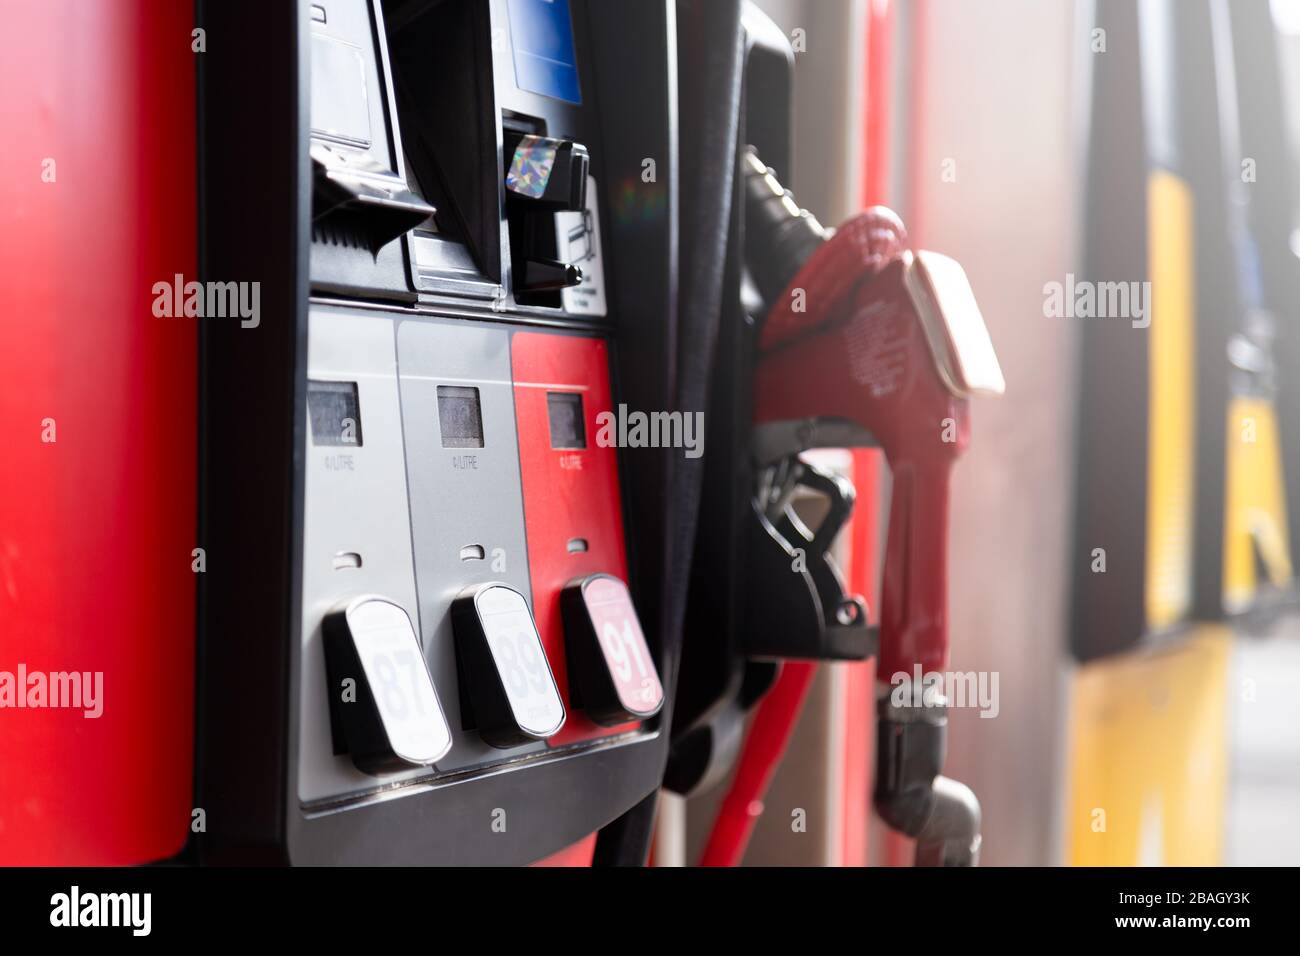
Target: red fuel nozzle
[
  {"x": 871, "y": 334},
  {"x": 869, "y": 342},
  {"x": 895, "y": 348}
]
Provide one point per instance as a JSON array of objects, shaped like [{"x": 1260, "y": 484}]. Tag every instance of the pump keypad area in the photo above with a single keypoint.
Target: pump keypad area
[
  {"x": 440, "y": 553},
  {"x": 468, "y": 270},
  {"x": 468, "y": 637}
]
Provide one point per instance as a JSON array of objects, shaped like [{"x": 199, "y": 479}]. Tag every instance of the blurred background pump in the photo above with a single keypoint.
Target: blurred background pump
[{"x": 1121, "y": 539}]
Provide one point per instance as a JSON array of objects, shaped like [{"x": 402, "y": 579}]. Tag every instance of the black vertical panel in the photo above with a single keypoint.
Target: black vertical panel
[
  {"x": 708, "y": 85},
  {"x": 1108, "y": 608},
  {"x": 254, "y": 212},
  {"x": 712, "y": 695},
  {"x": 637, "y": 87},
  {"x": 255, "y": 218},
  {"x": 1208, "y": 157}
]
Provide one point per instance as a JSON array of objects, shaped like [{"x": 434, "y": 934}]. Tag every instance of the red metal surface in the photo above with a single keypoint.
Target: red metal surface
[
  {"x": 578, "y": 855},
  {"x": 860, "y": 678},
  {"x": 900, "y": 850},
  {"x": 568, "y": 493},
  {"x": 97, "y": 527},
  {"x": 861, "y": 356},
  {"x": 859, "y": 748},
  {"x": 765, "y": 743},
  {"x": 879, "y": 116},
  {"x": 917, "y": 95},
  {"x": 863, "y": 563}
]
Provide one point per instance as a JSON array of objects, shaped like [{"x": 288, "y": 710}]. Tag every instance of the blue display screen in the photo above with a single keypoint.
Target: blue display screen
[{"x": 545, "y": 62}]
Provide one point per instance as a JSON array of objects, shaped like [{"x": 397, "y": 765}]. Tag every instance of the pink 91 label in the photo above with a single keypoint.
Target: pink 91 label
[{"x": 623, "y": 644}]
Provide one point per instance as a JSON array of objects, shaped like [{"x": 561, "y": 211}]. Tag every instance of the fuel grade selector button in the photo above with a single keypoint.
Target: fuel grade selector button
[
  {"x": 390, "y": 718},
  {"x": 611, "y": 671},
  {"x": 512, "y": 694}
]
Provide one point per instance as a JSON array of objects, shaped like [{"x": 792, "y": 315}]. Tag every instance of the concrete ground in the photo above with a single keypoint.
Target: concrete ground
[{"x": 1264, "y": 800}]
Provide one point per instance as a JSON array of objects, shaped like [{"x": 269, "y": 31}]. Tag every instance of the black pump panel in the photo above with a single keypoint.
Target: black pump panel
[{"x": 417, "y": 184}]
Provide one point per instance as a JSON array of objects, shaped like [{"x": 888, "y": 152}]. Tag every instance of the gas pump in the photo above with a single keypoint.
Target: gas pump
[
  {"x": 1257, "y": 574},
  {"x": 453, "y": 653},
  {"x": 1181, "y": 513}
]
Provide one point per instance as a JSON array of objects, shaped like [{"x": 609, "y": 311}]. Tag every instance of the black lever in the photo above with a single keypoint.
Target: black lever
[
  {"x": 375, "y": 202},
  {"x": 542, "y": 275},
  {"x": 544, "y": 176},
  {"x": 796, "y": 605}
]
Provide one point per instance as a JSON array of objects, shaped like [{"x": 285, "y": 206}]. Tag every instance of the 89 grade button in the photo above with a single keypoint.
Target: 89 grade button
[
  {"x": 511, "y": 690},
  {"x": 610, "y": 667}
]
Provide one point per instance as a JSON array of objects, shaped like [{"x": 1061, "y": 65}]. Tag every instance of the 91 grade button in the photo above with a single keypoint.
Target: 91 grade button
[
  {"x": 504, "y": 671},
  {"x": 393, "y": 721},
  {"x": 610, "y": 667}
]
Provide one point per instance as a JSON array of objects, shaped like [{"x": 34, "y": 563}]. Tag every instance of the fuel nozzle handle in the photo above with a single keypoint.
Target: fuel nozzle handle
[
  {"x": 874, "y": 369},
  {"x": 890, "y": 342}
]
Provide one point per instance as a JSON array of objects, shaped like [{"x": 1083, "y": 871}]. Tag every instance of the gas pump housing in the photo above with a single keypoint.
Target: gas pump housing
[{"x": 462, "y": 218}]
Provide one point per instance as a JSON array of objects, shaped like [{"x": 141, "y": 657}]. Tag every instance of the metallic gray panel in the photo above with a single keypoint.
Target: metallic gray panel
[
  {"x": 461, "y": 498},
  {"x": 355, "y": 503}
]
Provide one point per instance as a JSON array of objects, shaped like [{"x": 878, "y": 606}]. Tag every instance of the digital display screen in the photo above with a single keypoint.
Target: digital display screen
[
  {"x": 567, "y": 427},
  {"x": 541, "y": 32},
  {"x": 335, "y": 413},
  {"x": 460, "y": 418}
]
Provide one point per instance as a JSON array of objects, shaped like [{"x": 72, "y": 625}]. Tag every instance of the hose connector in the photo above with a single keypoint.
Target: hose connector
[
  {"x": 779, "y": 236},
  {"x": 911, "y": 796}
]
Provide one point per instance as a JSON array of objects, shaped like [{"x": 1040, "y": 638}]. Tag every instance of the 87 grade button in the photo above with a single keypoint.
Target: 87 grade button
[
  {"x": 610, "y": 667},
  {"x": 392, "y": 720}
]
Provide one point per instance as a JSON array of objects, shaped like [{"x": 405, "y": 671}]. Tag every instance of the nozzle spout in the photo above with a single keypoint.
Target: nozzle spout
[{"x": 911, "y": 796}]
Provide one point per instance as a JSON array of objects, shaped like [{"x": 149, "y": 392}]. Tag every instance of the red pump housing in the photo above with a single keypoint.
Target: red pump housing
[
  {"x": 572, "y": 506},
  {"x": 99, "y": 402}
]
